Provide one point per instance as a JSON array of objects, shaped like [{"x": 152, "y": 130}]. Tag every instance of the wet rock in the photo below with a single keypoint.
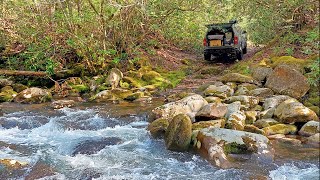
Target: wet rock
[
  {"x": 219, "y": 123},
  {"x": 291, "y": 111},
  {"x": 253, "y": 129},
  {"x": 93, "y": 146},
  {"x": 251, "y": 116},
  {"x": 62, "y": 103},
  {"x": 158, "y": 127},
  {"x": 248, "y": 102},
  {"x": 262, "y": 123},
  {"x": 217, "y": 144},
  {"x": 178, "y": 134},
  {"x": 233, "y": 107},
  {"x": 280, "y": 129},
  {"x": 212, "y": 99},
  {"x": 236, "y": 77},
  {"x": 187, "y": 105},
  {"x": 310, "y": 128},
  {"x": 219, "y": 91},
  {"x": 261, "y": 73},
  {"x": 115, "y": 75},
  {"x": 5, "y": 82},
  {"x": 33, "y": 95},
  {"x": 287, "y": 81},
  {"x": 13, "y": 164},
  {"x": 40, "y": 170},
  {"x": 211, "y": 111},
  {"x": 262, "y": 93},
  {"x": 236, "y": 121},
  {"x": 275, "y": 101}
]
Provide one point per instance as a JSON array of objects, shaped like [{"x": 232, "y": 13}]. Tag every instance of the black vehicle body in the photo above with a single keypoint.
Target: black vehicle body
[{"x": 225, "y": 39}]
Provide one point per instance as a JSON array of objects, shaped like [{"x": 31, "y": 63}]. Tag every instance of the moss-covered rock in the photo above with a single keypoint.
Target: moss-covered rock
[
  {"x": 7, "y": 94},
  {"x": 219, "y": 123},
  {"x": 262, "y": 93},
  {"x": 80, "y": 88},
  {"x": 251, "y": 116},
  {"x": 151, "y": 76},
  {"x": 298, "y": 64},
  {"x": 236, "y": 121},
  {"x": 121, "y": 93},
  {"x": 132, "y": 82},
  {"x": 262, "y": 123},
  {"x": 212, "y": 99},
  {"x": 158, "y": 127},
  {"x": 223, "y": 91},
  {"x": 248, "y": 102},
  {"x": 310, "y": 128},
  {"x": 253, "y": 129},
  {"x": 5, "y": 82},
  {"x": 316, "y": 109},
  {"x": 33, "y": 95},
  {"x": 19, "y": 87},
  {"x": 178, "y": 134},
  {"x": 280, "y": 129},
  {"x": 261, "y": 73},
  {"x": 236, "y": 77}
]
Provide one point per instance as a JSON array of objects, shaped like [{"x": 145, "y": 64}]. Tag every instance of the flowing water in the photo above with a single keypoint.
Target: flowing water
[{"x": 56, "y": 145}]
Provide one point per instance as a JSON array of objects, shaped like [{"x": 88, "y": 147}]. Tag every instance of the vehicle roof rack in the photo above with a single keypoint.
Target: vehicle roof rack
[{"x": 225, "y": 25}]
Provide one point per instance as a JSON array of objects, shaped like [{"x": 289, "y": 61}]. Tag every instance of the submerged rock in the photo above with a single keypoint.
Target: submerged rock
[
  {"x": 93, "y": 146},
  {"x": 33, "y": 95},
  {"x": 217, "y": 144},
  {"x": 287, "y": 81},
  {"x": 310, "y": 128},
  {"x": 187, "y": 105},
  {"x": 178, "y": 134},
  {"x": 291, "y": 111}
]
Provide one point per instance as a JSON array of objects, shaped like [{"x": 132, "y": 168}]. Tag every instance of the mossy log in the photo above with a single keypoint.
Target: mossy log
[{"x": 22, "y": 73}]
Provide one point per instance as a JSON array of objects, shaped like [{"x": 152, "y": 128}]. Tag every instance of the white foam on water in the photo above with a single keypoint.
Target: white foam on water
[{"x": 292, "y": 172}]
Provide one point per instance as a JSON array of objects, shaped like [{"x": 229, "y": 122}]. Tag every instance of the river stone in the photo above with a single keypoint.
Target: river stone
[
  {"x": 212, "y": 99},
  {"x": 266, "y": 114},
  {"x": 287, "y": 81},
  {"x": 290, "y": 141},
  {"x": 219, "y": 91},
  {"x": 314, "y": 139},
  {"x": 241, "y": 91},
  {"x": 251, "y": 116},
  {"x": 236, "y": 121},
  {"x": 93, "y": 146},
  {"x": 262, "y": 123},
  {"x": 33, "y": 95},
  {"x": 219, "y": 123},
  {"x": 62, "y": 103},
  {"x": 233, "y": 107},
  {"x": 5, "y": 82},
  {"x": 211, "y": 111},
  {"x": 19, "y": 87},
  {"x": 247, "y": 101},
  {"x": 310, "y": 128},
  {"x": 187, "y": 105},
  {"x": 13, "y": 164},
  {"x": 236, "y": 77},
  {"x": 280, "y": 129},
  {"x": 262, "y": 93},
  {"x": 253, "y": 129},
  {"x": 7, "y": 94},
  {"x": 158, "y": 127},
  {"x": 274, "y": 101},
  {"x": 102, "y": 96},
  {"x": 261, "y": 73},
  {"x": 40, "y": 170},
  {"x": 291, "y": 111},
  {"x": 178, "y": 134},
  {"x": 217, "y": 144},
  {"x": 115, "y": 75}
]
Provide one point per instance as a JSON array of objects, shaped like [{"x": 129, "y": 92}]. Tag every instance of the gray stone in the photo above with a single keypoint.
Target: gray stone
[
  {"x": 211, "y": 111},
  {"x": 219, "y": 91},
  {"x": 274, "y": 101},
  {"x": 310, "y": 128}
]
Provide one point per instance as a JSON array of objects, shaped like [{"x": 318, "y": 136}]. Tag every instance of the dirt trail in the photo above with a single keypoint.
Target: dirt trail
[{"x": 201, "y": 72}]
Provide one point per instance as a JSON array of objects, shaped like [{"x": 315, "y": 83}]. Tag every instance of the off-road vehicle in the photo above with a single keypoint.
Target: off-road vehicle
[{"x": 225, "y": 40}]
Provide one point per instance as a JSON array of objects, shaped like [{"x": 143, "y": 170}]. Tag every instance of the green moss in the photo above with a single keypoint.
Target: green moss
[
  {"x": 132, "y": 82},
  {"x": 186, "y": 61},
  {"x": 299, "y": 64},
  {"x": 314, "y": 100},
  {"x": 7, "y": 96},
  {"x": 280, "y": 129},
  {"x": 124, "y": 85},
  {"x": 212, "y": 70},
  {"x": 158, "y": 127},
  {"x": 316, "y": 109},
  {"x": 234, "y": 148},
  {"x": 150, "y": 76},
  {"x": 174, "y": 77},
  {"x": 80, "y": 88}
]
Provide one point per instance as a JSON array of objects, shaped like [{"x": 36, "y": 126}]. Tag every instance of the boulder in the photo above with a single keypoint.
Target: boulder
[
  {"x": 287, "y": 81},
  {"x": 251, "y": 116},
  {"x": 62, "y": 103},
  {"x": 310, "y": 128},
  {"x": 266, "y": 114},
  {"x": 262, "y": 123},
  {"x": 274, "y": 101},
  {"x": 178, "y": 134},
  {"x": 233, "y": 107},
  {"x": 219, "y": 123},
  {"x": 261, "y": 73},
  {"x": 223, "y": 91},
  {"x": 236, "y": 77},
  {"x": 236, "y": 121},
  {"x": 211, "y": 111},
  {"x": 280, "y": 129},
  {"x": 115, "y": 75},
  {"x": 253, "y": 129},
  {"x": 217, "y": 144},
  {"x": 262, "y": 93},
  {"x": 33, "y": 95},
  {"x": 291, "y": 111},
  {"x": 248, "y": 102},
  {"x": 158, "y": 127},
  {"x": 187, "y": 105}
]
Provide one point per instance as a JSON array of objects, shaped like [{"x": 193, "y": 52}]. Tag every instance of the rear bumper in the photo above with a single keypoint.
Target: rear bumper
[{"x": 221, "y": 50}]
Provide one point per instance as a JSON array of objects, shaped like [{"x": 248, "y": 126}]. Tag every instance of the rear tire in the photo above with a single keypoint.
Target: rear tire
[
  {"x": 207, "y": 57},
  {"x": 240, "y": 55},
  {"x": 245, "y": 50}
]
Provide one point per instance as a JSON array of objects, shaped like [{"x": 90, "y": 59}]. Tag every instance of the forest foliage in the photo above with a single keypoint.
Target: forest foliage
[{"x": 49, "y": 35}]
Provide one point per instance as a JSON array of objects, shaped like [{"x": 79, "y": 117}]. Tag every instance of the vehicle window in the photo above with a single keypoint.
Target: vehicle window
[{"x": 228, "y": 36}]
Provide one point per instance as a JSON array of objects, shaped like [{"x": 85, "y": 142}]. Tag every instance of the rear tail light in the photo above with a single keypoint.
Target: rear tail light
[
  {"x": 205, "y": 42},
  {"x": 236, "y": 40}
]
